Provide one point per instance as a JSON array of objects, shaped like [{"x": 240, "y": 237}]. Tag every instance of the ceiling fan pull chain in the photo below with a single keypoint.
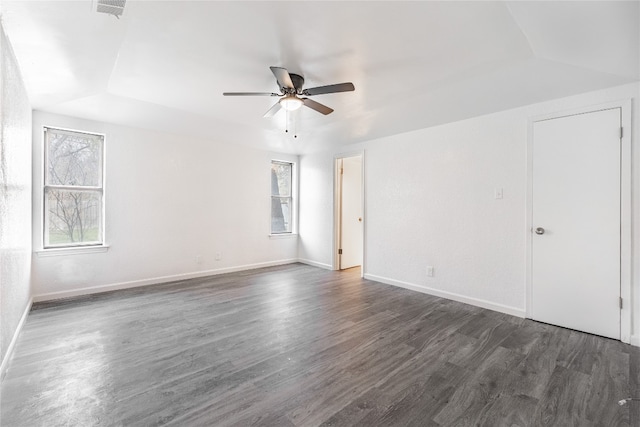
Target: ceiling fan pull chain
[
  {"x": 286, "y": 122},
  {"x": 295, "y": 126}
]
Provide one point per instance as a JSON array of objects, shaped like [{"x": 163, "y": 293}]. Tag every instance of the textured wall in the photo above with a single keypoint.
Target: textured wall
[
  {"x": 15, "y": 196},
  {"x": 429, "y": 200},
  {"x": 172, "y": 203}
]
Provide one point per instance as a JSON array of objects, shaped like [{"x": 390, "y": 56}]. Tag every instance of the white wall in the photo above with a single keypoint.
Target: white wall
[
  {"x": 15, "y": 200},
  {"x": 429, "y": 200},
  {"x": 169, "y": 199},
  {"x": 316, "y": 209}
]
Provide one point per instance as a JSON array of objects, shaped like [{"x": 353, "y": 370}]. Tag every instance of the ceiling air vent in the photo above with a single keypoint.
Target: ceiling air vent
[{"x": 112, "y": 7}]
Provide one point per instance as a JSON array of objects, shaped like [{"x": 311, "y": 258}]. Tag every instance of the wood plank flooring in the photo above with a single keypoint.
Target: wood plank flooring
[{"x": 300, "y": 346}]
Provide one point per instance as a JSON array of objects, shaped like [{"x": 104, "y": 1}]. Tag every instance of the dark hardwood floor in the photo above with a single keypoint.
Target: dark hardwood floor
[{"x": 300, "y": 346}]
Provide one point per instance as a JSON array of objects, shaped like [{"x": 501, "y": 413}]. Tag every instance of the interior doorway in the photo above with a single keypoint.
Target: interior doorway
[{"x": 349, "y": 238}]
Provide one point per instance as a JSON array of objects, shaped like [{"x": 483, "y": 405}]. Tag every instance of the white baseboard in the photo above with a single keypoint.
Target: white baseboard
[
  {"x": 450, "y": 295},
  {"x": 155, "y": 280},
  {"x": 635, "y": 340},
  {"x": 315, "y": 264},
  {"x": 7, "y": 357}
]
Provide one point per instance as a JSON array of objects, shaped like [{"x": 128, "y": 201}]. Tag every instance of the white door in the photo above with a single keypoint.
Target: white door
[
  {"x": 576, "y": 222},
  {"x": 351, "y": 213}
]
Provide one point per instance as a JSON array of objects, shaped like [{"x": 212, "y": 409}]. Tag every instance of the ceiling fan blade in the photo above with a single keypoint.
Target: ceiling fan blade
[
  {"x": 317, "y": 106},
  {"x": 283, "y": 77},
  {"x": 250, "y": 94},
  {"x": 273, "y": 110},
  {"x": 340, "y": 87}
]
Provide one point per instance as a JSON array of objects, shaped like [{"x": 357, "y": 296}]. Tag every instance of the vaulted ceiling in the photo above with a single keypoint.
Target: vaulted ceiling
[{"x": 164, "y": 64}]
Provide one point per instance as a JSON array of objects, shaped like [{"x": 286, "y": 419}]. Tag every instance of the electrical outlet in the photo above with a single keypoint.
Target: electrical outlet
[
  {"x": 198, "y": 259},
  {"x": 218, "y": 256},
  {"x": 429, "y": 271}
]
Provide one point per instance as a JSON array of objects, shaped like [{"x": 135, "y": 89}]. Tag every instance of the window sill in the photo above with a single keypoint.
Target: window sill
[
  {"x": 76, "y": 250},
  {"x": 283, "y": 236}
]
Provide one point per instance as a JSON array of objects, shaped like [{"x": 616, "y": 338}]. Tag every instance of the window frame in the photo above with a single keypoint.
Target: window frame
[
  {"x": 292, "y": 201},
  {"x": 99, "y": 190}
]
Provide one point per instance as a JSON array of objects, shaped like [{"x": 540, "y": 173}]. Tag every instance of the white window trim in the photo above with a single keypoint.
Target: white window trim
[
  {"x": 283, "y": 236},
  {"x": 81, "y": 248},
  {"x": 294, "y": 201},
  {"x": 72, "y": 250}
]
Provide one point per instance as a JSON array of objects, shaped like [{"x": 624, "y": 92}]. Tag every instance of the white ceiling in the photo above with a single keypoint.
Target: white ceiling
[{"x": 164, "y": 65}]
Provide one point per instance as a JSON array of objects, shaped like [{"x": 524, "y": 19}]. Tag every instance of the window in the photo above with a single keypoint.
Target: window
[
  {"x": 281, "y": 197},
  {"x": 73, "y": 188}
]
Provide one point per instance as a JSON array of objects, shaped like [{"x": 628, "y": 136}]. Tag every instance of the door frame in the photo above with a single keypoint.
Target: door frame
[
  {"x": 625, "y": 207},
  {"x": 337, "y": 201}
]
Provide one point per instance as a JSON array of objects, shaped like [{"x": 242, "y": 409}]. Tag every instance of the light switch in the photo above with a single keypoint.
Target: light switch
[{"x": 497, "y": 192}]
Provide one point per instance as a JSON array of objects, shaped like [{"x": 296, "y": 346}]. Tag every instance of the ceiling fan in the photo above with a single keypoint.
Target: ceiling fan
[{"x": 292, "y": 96}]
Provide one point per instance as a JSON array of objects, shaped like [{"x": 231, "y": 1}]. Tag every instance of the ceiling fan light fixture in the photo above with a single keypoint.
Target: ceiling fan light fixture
[{"x": 290, "y": 103}]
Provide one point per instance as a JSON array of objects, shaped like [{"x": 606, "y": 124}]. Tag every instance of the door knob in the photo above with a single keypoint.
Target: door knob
[
  {"x": 360, "y": 219},
  {"x": 539, "y": 230}
]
